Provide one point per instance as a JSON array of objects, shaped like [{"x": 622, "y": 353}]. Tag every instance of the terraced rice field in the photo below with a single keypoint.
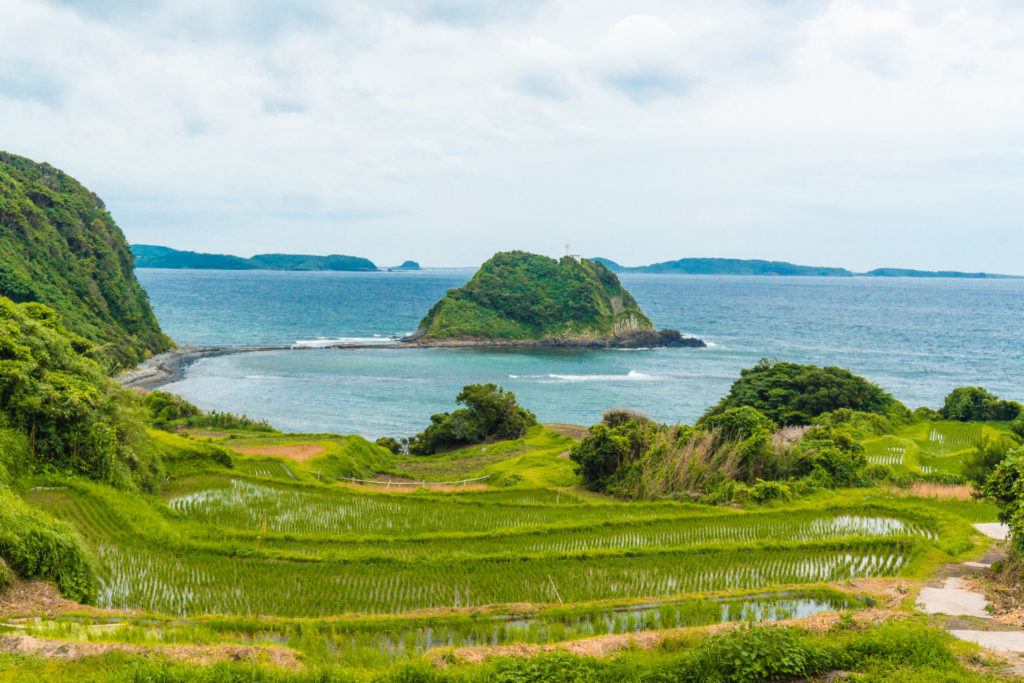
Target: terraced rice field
[
  {"x": 949, "y": 437},
  {"x": 255, "y": 547},
  {"x": 887, "y": 450}
]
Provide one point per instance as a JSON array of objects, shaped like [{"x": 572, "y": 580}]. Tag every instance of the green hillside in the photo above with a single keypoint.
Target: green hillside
[
  {"x": 151, "y": 256},
  {"x": 59, "y": 246},
  {"x": 521, "y": 297}
]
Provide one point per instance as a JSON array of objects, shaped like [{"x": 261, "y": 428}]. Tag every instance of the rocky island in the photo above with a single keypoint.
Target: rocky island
[{"x": 522, "y": 299}]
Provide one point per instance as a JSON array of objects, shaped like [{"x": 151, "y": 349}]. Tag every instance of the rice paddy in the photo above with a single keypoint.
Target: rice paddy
[
  {"x": 252, "y": 547},
  {"x": 365, "y": 575}
]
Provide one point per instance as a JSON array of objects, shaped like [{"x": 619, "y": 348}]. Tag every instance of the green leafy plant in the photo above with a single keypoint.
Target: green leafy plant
[{"x": 490, "y": 413}]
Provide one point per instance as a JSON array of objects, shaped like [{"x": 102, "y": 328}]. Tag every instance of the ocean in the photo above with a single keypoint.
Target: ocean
[{"x": 918, "y": 338}]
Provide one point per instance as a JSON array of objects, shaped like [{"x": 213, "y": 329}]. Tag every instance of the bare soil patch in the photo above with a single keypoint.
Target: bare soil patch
[
  {"x": 36, "y": 597},
  {"x": 572, "y": 431},
  {"x": 193, "y": 654},
  {"x": 299, "y": 452}
]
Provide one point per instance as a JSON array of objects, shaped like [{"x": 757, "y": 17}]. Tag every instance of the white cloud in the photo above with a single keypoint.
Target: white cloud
[
  {"x": 642, "y": 57},
  {"x": 444, "y": 130}
]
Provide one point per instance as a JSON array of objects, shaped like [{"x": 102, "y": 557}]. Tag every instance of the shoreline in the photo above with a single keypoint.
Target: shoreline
[{"x": 169, "y": 367}]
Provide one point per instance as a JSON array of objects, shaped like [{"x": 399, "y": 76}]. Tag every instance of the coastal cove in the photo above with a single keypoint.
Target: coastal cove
[{"x": 881, "y": 328}]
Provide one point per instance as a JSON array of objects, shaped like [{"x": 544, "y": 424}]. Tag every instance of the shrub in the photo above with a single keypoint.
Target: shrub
[
  {"x": 861, "y": 425},
  {"x": 925, "y": 414},
  {"x": 600, "y": 455},
  {"x": 1006, "y": 488},
  {"x": 737, "y": 424},
  {"x": 982, "y": 462},
  {"x": 390, "y": 443},
  {"x": 490, "y": 413},
  {"x": 168, "y": 411},
  {"x": 616, "y": 417},
  {"x": 834, "y": 452},
  {"x": 1017, "y": 426},
  {"x": 36, "y": 546},
  {"x": 72, "y": 416},
  {"x": 976, "y": 404},
  {"x": 6, "y": 576},
  {"x": 768, "y": 491},
  {"x": 750, "y": 654},
  {"x": 792, "y": 394}
]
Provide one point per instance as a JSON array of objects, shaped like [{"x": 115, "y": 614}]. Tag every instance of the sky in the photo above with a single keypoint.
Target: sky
[{"x": 855, "y": 134}]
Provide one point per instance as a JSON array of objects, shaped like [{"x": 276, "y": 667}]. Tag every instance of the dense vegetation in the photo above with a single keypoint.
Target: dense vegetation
[
  {"x": 59, "y": 246},
  {"x": 490, "y": 413},
  {"x": 976, "y": 404},
  {"x": 60, "y": 415},
  {"x": 736, "y": 455},
  {"x": 169, "y": 411},
  {"x": 519, "y": 296},
  {"x": 792, "y": 394},
  {"x": 71, "y": 416},
  {"x": 151, "y": 256}
]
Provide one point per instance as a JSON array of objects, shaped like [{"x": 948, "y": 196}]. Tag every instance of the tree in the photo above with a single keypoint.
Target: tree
[
  {"x": 490, "y": 413},
  {"x": 792, "y": 394},
  {"x": 976, "y": 404}
]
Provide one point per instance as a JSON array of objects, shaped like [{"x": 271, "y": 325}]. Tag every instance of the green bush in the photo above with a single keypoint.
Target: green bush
[
  {"x": 71, "y": 415},
  {"x": 490, "y": 413},
  {"x": 168, "y": 411},
  {"x": 6, "y": 576},
  {"x": 770, "y": 491},
  {"x": 1017, "y": 426},
  {"x": 980, "y": 463},
  {"x": 792, "y": 394},
  {"x": 600, "y": 455},
  {"x": 976, "y": 404},
  {"x": 737, "y": 424},
  {"x": 1006, "y": 488},
  {"x": 36, "y": 546},
  {"x": 834, "y": 453},
  {"x": 390, "y": 443}
]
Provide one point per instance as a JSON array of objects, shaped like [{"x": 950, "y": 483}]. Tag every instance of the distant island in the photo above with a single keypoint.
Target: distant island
[
  {"x": 728, "y": 266},
  {"x": 522, "y": 299},
  {"x": 151, "y": 256},
  {"x": 406, "y": 265}
]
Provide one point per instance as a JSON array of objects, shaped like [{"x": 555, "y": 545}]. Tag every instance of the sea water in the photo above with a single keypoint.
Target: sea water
[{"x": 918, "y": 338}]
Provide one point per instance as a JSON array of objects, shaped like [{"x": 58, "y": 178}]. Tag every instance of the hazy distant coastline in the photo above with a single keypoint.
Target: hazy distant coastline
[
  {"x": 728, "y": 266},
  {"x": 153, "y": 256}
]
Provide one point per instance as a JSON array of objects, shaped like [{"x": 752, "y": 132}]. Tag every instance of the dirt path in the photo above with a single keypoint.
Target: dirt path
[{"x": 973, "y": 620}]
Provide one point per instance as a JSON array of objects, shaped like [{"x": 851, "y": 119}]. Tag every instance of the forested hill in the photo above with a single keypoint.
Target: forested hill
[
  {"x": 59, "y": 246},
  {"x": 151, "y": 256},
  {"x": 519, "y": 297},
  {"x": 731, "y": 266}
]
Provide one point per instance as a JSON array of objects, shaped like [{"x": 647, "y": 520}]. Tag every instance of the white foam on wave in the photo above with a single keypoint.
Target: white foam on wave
[
  {"x": 631, "y": 376},
  {"x": 324, "y": 342}
]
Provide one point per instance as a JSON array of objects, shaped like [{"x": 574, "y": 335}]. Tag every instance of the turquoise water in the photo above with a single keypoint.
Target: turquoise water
[{"x": 917, "y": 338}]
